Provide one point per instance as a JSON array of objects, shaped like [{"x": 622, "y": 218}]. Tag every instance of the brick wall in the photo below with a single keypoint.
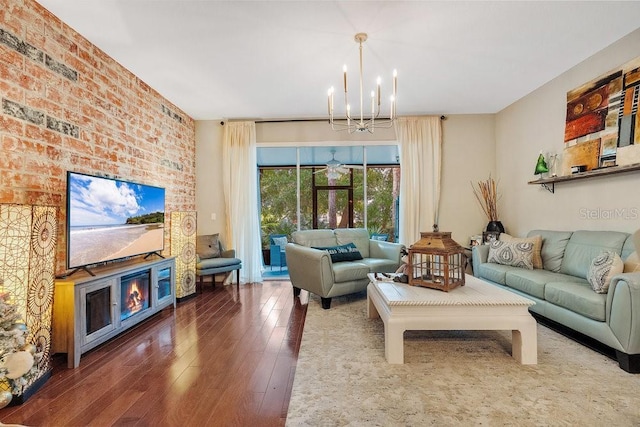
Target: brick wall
[{"x": 66, "y": 105}]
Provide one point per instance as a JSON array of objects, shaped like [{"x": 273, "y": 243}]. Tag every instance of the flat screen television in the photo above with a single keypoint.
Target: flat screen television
[{"x": 110, "y": 219}]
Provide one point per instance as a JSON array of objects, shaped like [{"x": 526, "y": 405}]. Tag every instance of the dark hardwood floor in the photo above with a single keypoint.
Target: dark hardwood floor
[{"x": 223, "y": 358}]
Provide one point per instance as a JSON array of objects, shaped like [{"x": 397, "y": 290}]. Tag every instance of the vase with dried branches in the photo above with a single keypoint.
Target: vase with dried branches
[{"x": 486, "y": 193}]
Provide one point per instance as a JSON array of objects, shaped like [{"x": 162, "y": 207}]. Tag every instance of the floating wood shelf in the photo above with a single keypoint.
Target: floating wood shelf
[{"x": 549, "y": 183}]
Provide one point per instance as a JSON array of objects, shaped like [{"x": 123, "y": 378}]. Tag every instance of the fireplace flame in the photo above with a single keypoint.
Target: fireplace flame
[{"x": 135, "y": 299}]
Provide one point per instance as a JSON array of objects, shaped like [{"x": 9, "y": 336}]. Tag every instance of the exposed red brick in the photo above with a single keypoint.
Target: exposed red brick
[
  {"x": 31, "y": 83},
  {"x": 81, "y": 163},
  {"x": 105, "y": 154},
  {"x": 10, "y": 125},
  {"x": 117, "y": 146},
  {"x": 53, "y": 35},
  {"x": 10, "y": 73},
  {"x": 39, "y": 71},
  {"x": 43, "y": 134},
  {"x": 10, "y": 22},
  {"x": 36, "y": 101},
  {"x": 72, "y": 116},
  {"x": 93, "y": 113},
  {"x": 42, "y": 167},
  {"x": 13, "y": 161},
  {"x": 123, "y": 130},
  {"x": 11, "y": 57},
  {"x": 25, "y": 12},
  {"x": 116, "y": 124},
  {"x": 9, "y": 143},
  {"x": 35, "y": 37},
  {"x": 7, "y": 195},
  {"x": 88, "y": 58},
  {"x": 33, "y": 147},
  {"x": 92, "y": 87},
  {"x": 43, "y": 198},
  {"x": 10, "y": 91},
  {"x": 77, "y": 146},
  {"x": 54, "y": 154},
  {"x": 114, "y": 99},
  {"x": 70, "y": 60}
]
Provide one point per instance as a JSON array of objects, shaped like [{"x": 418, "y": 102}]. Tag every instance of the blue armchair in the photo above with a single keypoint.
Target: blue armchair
[{"x": 277, "y": 244}]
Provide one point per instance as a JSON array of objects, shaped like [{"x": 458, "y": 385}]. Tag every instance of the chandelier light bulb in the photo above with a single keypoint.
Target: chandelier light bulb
[
  {"x": 373, "y": 104},
  {"x": 344, "y": 69},
  {"x": 393, "y": 106},
  {"x": 395, "y": 82},
  {"x": 331, "y": 90}
]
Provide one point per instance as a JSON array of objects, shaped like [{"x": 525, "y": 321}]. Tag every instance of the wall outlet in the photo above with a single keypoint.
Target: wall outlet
[{"x": 213, "y": 217}]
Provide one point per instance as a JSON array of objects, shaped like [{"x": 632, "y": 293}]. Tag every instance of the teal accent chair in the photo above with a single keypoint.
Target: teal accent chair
[
  {"x": 277, "y": 244},
  {"x": 224, "y": 261}
]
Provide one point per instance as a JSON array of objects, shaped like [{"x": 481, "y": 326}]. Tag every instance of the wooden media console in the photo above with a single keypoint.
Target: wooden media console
[{"x": 89, "y": 310}]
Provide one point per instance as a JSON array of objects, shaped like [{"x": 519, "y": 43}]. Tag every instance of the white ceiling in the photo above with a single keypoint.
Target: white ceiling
[{"x": 277, "y": 59}]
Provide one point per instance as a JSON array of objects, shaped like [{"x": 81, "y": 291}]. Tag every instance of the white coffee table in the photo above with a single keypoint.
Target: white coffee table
[{"x": 477, "y": 305}]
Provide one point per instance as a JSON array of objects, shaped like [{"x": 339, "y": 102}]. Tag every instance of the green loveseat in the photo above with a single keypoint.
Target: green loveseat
[
  {"x": 563, "y": 294},
  {"x": 314, "y": 270}
]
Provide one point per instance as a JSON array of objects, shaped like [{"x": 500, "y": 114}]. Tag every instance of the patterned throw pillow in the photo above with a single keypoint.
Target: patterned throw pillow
[
  {"x": 207, "y": 246},
  {"x": 537, "y": 246},
  {"x": 348, "y": 252},
  {"x": 602, "y": 269},
  {"x": 515, "y": 254}
]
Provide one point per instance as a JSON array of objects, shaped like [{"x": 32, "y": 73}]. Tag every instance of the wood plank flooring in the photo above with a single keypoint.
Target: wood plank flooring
[{"x": 223, "y": 358}]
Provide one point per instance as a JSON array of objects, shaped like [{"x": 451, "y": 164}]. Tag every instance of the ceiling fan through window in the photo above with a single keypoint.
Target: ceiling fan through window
[{"x": 335, "y": 168}]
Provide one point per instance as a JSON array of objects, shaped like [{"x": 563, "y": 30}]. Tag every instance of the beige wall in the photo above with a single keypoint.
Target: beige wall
[
  {"x": 468, "y": 155},
  {"x": 316, "y": 133},
  {"x": 536, "y": 123},
  {"x": 209, "y": 196}
]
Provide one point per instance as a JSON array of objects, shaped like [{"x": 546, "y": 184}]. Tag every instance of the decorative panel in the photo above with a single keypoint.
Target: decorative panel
[
  {"x": 183, "y": 247},
  {"x": 27, "y": 265}
]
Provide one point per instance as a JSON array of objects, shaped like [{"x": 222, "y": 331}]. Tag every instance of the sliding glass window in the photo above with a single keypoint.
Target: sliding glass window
[{"x": 338, "y": 187}]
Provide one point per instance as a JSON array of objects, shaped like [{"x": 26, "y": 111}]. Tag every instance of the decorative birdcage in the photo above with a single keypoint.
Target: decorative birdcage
[{"x": 436, "y": 261}]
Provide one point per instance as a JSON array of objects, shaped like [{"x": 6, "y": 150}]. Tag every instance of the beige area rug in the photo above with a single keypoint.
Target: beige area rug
[{"x": 450, "y": 378}]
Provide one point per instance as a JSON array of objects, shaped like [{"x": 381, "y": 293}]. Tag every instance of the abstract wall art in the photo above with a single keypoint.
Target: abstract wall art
[{"x": 602, "y": 126}]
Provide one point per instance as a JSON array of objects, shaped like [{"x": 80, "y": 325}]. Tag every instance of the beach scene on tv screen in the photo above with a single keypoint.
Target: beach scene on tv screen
[{"x": 111, "y": 219}]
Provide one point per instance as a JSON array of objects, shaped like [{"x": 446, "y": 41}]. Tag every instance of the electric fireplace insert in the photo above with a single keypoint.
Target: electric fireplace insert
[{"x": 135, "y": 293}]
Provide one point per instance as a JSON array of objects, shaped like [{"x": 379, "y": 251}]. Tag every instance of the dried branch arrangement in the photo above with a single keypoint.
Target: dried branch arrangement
[{"x": 487, "y": 194}]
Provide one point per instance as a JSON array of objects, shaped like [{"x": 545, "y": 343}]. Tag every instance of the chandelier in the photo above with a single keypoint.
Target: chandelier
[{"x": 352, "y": 123}]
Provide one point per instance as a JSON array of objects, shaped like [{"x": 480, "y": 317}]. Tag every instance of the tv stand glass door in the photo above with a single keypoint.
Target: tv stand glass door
[{"x": 98, "y": 314}]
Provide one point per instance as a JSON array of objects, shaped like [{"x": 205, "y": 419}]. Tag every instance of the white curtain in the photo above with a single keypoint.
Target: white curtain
[
  {"x": 420, "y": 141},
  {"x": 240, "y": 186}
]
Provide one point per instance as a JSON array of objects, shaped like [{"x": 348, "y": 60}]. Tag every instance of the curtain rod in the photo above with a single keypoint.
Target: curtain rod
[{"x": 294, "y": 120}]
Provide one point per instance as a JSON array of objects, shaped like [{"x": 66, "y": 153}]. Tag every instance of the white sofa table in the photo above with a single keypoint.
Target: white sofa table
[{"x": 475, "y": 306}]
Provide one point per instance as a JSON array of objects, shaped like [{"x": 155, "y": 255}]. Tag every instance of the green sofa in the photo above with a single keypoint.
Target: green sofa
[
  {"x": 563, "y": 294},
  {"x": 314, "y": 270}
]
